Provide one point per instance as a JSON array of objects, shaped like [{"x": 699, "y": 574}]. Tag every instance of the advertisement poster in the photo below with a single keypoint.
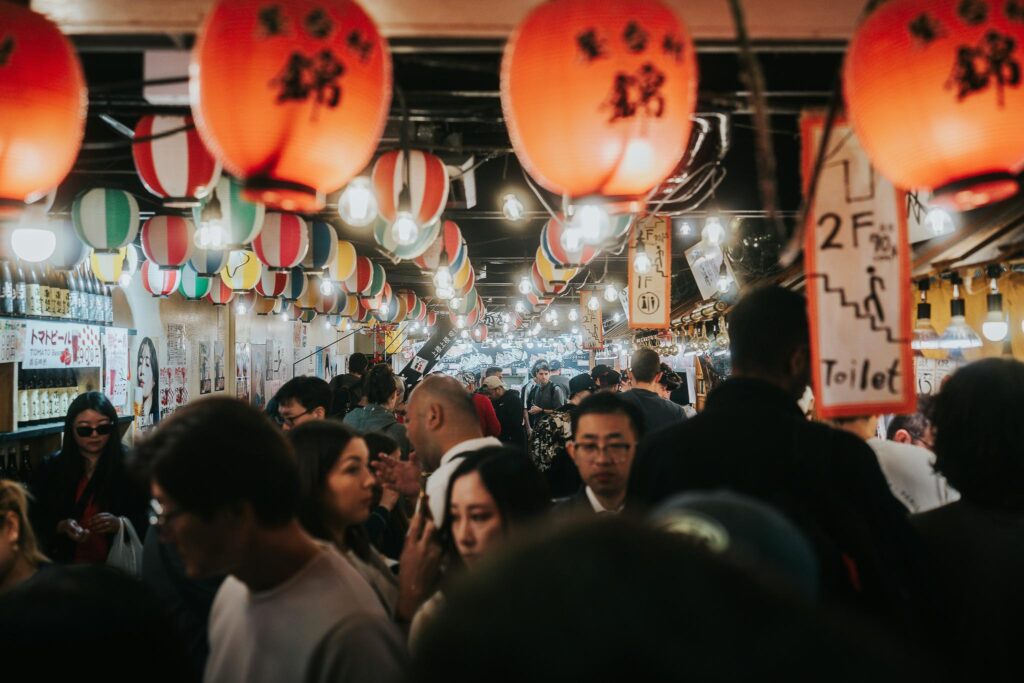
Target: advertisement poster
[
  {"x": 166, "y": 392},
  {"x": 242, "y": 370},
  {"x": 115, "y": 366},
  {"x": 175, "y": 345},
  {"x": 258, "y": 376},
  {"x": 147, "y": 395},
  {"x": 52, "y": 345},
  {"x": 12, "y": 338},
  {"x": 218, "y": 366},
  {"x": 205, "y": 368},
  {"x": 649, "y": 290}
]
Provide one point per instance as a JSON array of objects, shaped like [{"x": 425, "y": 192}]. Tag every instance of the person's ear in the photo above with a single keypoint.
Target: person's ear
[
  {"x": 319, "y": 413},
  {"x": 11, "y": 529},
  {"x": 902, "y": 436},
  {"x": 435, "y": 416},
  {"x": 570, "y": 447},
  {"x": 657, "y": 377},
  {"x": 800, "y": 362}
]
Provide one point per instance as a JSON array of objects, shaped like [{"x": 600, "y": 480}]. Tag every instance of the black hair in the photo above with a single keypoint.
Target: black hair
[
  {"x": 492, "y": 371},
  {"x": 111, "y": 463},
  {"x": 766, "y": 327},
  {"x": 609, "y": 378},
  {"x": 358, "y": 362},
  {"x": 218, "y": 452},
  {"x": 556, "y": 365},
  {"x": 378, "y": 442},
  {"x": 645, "y": 364},
  {"x": 978, "y": 432},
  {"x": 309, "y": 392},
  {"x": 916, "y": 423},
  {"x": 379, "y": 385},
  {"x": 669, "y": 378},
  {"x": 154, "y": 366},
  {"x": 607, "y": 403},
  {"x": 599, "y": 370},
  {"x": 538, "y": 366}
]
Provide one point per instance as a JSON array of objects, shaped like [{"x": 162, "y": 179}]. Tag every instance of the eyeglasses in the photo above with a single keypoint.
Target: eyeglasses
[
  {"x": 290, "y": 420},
  {"x": 617, "y": 452},
  {"x": 86, "y": 430},
  {"x": 158, "y": 517}
]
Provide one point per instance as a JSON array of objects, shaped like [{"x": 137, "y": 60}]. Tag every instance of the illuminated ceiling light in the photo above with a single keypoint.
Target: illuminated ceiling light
[
  {"x": 617, "y": 317},
  {"x": 524, "y": 285},
  {"x": 33, "y": 240},
  {"x": 444, "y": 293},
  {"x": 925, "y": 335},
  {"x": 129, "y": 267},
  {"x": 358, "y": 205},
  {"x": 512, "y": 208},
  {"x": 464, "y": 334},
  {"x": 385, "y": 308},
  {"x": 593, "y": 303},
  {"x": 326, "y": 287},
  {"x": 211, "y": 233},
  {"x": 240, "y": 308},
  {"x": 404, "y": 230},
  {"x": 520, "y": 307},
  {"x": 713, "y": 232},
  {"x": 327, "y": 323},
  {"x": 443, "y": 275},
  {"x": 284, "y": 314},
  {"x": 504, "y": 328},
  {"x": 506, "y": 317},
  {"x": 460, "y": 321},
  {"x": 724, "y": 281},
  {"x": 592, "y": 222},
  {"x": 939, "y": 221},
  {"x": 455, "y": 303},
  {"x": 686, "y": 229},
  {"x": 572, "y": 239},
  {"x": 573, "y": 314},
  {"x": 575, "y": 330},
  {"x": 611, "y": 293},
  {"x": 642, "y": 263},
  {"x": 958, "y": 334},
  {"x": 995, "y": 328}
]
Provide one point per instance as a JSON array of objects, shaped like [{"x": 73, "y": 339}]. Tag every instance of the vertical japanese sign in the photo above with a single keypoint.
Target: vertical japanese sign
[
  {"x": 432, "y": 351},
  {"x": 115, "y": 366},
  {"x": 590, "y": 321},
  {"x": 858, "y": 274},
  {"x": 12, "y": 341},
  {"x": 649, "y": 292}
]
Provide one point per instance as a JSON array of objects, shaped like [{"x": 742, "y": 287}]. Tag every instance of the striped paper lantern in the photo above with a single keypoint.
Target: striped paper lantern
[
  {"x": 245, "y": 301},
  {"x": 323, "y": 247},
  {"x": 552, "y": 273},
  {"x": 105, "y": 219},
  {"x": 427, "y": 235},
  {"x": 193, "y": 286},
  {"x": 364, "y": 314},
  {"x": 428, "y": 185},
  {"x": 465, "y": 303},
  {"x": 70, "y": 251},
  {"x": 328, "y": 303},
  {"x": 175, "y": 167},
  {"x": 264, "y": 306},
  {"x": 310, "y": 299},
  {"x": 431, "y": 318},
  {"x": 242, "y": 271},
  {"x": 298, "y": 282},
  {"x": 413, "y": 306},
  {"x": 283, "y": 242},
  {"x": 242, "y": 219},
  {"x": 307, "y": 315},
  {"x": 344, "y": 262},
  {"x": 348, "y": 305},
  {"x": 158, "y": 281},
  {"x": 106, "y": 266},
  {"x": 448, "y": 240},
  {"x": 272, "y": 284},
  {"x": 167, "y": 241},
  {"x": 208, "y": 262},
  {"x": 367, "y": 280},
  {"x": 220, "y": 294},
  {"x": 480, "y": 333},
  {"x": 551, "y": 242},
  {"x": 545, "y": 286},
  {"x": 461, "y": 285}
]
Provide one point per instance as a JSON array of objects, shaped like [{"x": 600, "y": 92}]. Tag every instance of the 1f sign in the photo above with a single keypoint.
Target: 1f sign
[
  {"x": 649, "y": 287},
  {"x": 858, "y": 274}
]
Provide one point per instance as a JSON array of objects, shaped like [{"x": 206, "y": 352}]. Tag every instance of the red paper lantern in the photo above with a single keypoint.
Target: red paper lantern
[
  {"x": 167, "y": 241},
  {"x": 174, "y": 166},
  {"x": 562, "y": 252},
  {"x": 428, "y": 185},
  {"x": 160, "y": 282},
  {"x": 42, "y": 107},
  {"x": 598, "y": 95},
  {"x": 935, "y": 92},
  {"x": 312, "y": 79},
  {"x": 283, "y": 241},
  {"x": 220, "y": 293}
]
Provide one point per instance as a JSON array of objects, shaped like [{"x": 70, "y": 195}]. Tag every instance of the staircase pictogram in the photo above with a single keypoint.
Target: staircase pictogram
[{"x": 857, "y": 311}]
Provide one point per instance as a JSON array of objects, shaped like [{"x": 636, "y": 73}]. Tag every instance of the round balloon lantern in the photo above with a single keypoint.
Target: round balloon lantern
[
  {"x": 167, "y": 241},
  {"x": 272, "y": 284},
  {"x": 310, "y": 298},
  {"x": 543, "y": 285},
  {"x": 242, "y": 271},
  {"x": 464, "y": 304},
  {"x": 413, "y": 306},
  {"x": 42, "y": 107},
  {"x": 172, "y": 161},
  {"x": 384, "y": 236},
  {"x": 159, "y": 282},
  {"x": 70, "y": 251},
  {"x": 105, "y": 219},
  {"x": 193, "y": 286},
  {"x": 314, "y": 80},
  {"x": 550, "y": 272},
  {"x": 107, "y": 267},
  {"x": 220, "y": 294},
  {"x": 264, "y": 306},
  {"x": 306, "y": 315},
  {"x": 344, "y": 263},
  {"x": 239, "y": 221},
  {"x": 367, "y": 281},
  {"x": 565, "y": 251},
  {"x": 480, "y": 332},
  {"x": 348, "y": 305},
  {"x": 449, "y": 241},
  {"x": 208, "y": 262},
  {"x": 934, "y": 91},
  {"x": 426, "y": 179},
  {"x": 323, "y": 247},
  {"x": 298, "y": 282},
  {"x": 328, "y": 303},
  {"x": 283, "y": 242},
  {"x": 431, "y": 318},
  {"x": 461, "y": 286},
  {"x": 598, "y": 95}
]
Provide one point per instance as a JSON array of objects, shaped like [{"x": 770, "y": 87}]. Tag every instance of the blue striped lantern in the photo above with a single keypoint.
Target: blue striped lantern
[
  {"x": 193, "y": 286},
  {"x": 298, "y": 282},
  {"x": 427, "y": 236},
  {"x": 208, "y": 262},
  {"x": 323, "y": 247},
  {"x": 105, "y": 219}
]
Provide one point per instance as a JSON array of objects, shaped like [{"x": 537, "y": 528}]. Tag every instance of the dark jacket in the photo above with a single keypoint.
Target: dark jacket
[
  {"x": 977, "y": 558},
  {"x": 346, "y": 393},
  {"x": 658, "y": 413},
  {"x": 549, "y": 454},
  {"x": 509, "y": 409},
  {"x": 576, "y": 504},
  {"x": 753, "y": 439},
  {"x": 549, "y": 397},
  {"x": 377, "y": 418}
]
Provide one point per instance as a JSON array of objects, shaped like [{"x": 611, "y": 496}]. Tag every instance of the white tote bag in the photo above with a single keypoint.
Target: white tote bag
[{"x": 126, "y": 550}]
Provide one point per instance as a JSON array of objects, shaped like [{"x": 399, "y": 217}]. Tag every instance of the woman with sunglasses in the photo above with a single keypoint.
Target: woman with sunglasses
[{"x": 84, "y": 490}]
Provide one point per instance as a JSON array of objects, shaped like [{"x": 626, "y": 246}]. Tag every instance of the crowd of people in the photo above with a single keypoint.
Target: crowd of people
[{"x": 590, "y": 527}]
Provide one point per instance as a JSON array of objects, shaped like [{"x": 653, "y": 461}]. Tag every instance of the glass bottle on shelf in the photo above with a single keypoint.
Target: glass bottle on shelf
[
  {"x": 19, "y": 288},
  {"x": 65, "y": 392},
  {"x": 24, "y": 409},
  {"x": 33, "y": 398},
  {"x": 25, "y": 468},
  {"x": 57, "y": 293},
  {"x": 56, "y": 392},
  {"x": 45, "y": 291},
  {"x": 6, "y": 290},
  {"x": 72, "y": 387},
  {"x": 73, "y": 311},
  {"x": 96, "y": 298},
  {"x": 45, "y": 383},
  {"x": 10, "y": 470},
  {"x": 33, "y": 292}
]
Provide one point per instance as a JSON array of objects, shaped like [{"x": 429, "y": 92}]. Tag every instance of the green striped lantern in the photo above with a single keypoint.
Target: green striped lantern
[
  {"x": 242, "y": 219},
  {"x": 193, "y": 285},
  {"x": 105, "y": 219},
  {"x": 427, "y": 236}
]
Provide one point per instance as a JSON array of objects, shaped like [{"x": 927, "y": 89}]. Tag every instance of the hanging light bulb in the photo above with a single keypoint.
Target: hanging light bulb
[
  {"x": 240, "y": 308},
  {"x": 506, "y": 317},
  {"x": 724, "y": 280},
  {"x": 124, "y": 280},
  {"x": 593, "y": 303},
  {"x": 404, "y": 230},
  {"x": 713, "y": 232},
  {"x": 444, "y": 293},
  {"x": 995, "y": 328},
  {"x": 284, "y": 314},
  {"x": 504, "y": 328},
  {"x": 940, "y": 222},
  {"x": 592, "y": 222},
  {"x": 958, "y": 334},
  {"x": 33, "y": 240},
  {"x": 925, "y": 336},
  {"x": 385, "y": 308},
  {"x": 573, "y": 314},
  {"x": 686, "y": 228},
  {"x": 617, "y": 317},
  {"x": 642, "y": 263},
  {"x": 520, "y": 307},
  {"x": 460, "y": 321},
  {"x": 572, "y": 239},
  {"x": 455, "y": 303},
  {"x": 326, "y": 287},
  {"x": 512, "y": 208},
  {"x": 575, "y": 330},
  {"x": 211, "y": 234},
  {"x": 529, "y": 344},
  {"x": 464, "y": 334},
  {"x": 611, "y": 293},
  {"x": 357, "y": 205},
  {"x": 476, "y": 332},
  {"x": 524, "y": 285}
]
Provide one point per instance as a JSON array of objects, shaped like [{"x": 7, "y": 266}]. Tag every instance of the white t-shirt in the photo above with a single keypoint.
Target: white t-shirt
[
  {"x": 437, "y": 482},
  {"x": 908, "y": 469},
  {"x": 323, "y": 620}
]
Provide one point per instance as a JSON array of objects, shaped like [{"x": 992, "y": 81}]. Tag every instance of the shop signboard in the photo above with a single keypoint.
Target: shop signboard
[
  {"x": 591, "y": 324},
  {"x": 12, "y": 341},
  {"x": 54, "y": 345},
  {"x": 444, "y": 337},
  {"x": 650, "y": 291},
  {"x": 115, "y": 366}
]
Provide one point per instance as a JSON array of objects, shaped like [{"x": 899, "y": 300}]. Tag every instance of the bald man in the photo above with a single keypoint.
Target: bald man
[{"x": 443, "y": 428}]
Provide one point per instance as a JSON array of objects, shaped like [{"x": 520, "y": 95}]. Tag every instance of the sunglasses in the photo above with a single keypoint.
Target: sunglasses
[{"x": 102, "y": 430}]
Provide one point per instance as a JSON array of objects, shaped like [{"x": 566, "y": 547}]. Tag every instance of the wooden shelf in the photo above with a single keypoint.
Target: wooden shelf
[{"x": 36, "y": 431}]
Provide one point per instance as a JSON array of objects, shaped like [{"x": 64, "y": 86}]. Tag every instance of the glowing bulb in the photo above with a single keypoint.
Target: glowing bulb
[
  {"x": 512, "y": 207},
  {"x": 32, "y": 243},
  {"x": 520, "y": 307},
  {"x": 476, "y": 333},
  {"x": 572, "y": 239},
  {"x": 685, "y": 229},
  {"x": 504, "y": 328},
  {"x": 444, "y": 293},
  {"x": 460, "y": 321},
  {"x": 124, "y": 280},
  {"x": 404, "y": 230},
  {"x": 524, "y": 285},
  {"x": 995, "y": 330},
  {"x": 593, "y": 303},
  {"x": 455, "y": 303},
  {"x": 506, "y": 317},
  {"x": 464, "y": 334},
  {"x": 617, "y": 317},
  {"x": 535, "y": 330},
  {"x": 529, "y": 344},
  {"x": 240, "y": 308},
  {"x": 443, "y": 278},
  {"x": 611, "y": 293},
  {"x": 592, "y": 222},
  {"x": 284, "y": 315},
  {"x": 357, "y": 205},
  {"x": 639, "y": 157},
  {"x": 940, "y": 222},
  {"x": 326, "y": 287},
  {"x": 713, "y": 232},
  {"x": 642, "y": 263},
  {"x": 574, "y": 315},
  {"x": 724, "y": 283},
  {"x": 385, "y": 308},
  {"x": 575, "y": 330}
]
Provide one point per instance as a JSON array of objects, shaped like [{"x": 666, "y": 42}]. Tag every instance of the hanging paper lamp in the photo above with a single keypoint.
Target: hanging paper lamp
[
  {"x": 480, "y": 332},
  {"x": 242, "y": 271},
  {"x": 193, "y": 286},
  {"x": 348, "y": 305},
  {"x": 174, "y": 166},
  {"x": 159, "y": 282},
  {"x": 344, "y": 263},
  {"x": 933, "y": 89},
  {"x": 208, "y": 262},
  {"x": 431, "y": 318},
  {"x": 450, "y": 241},
  {"x": 465, "y": 303},
  {"x": 237, "y": 220},
  {"x": 297, "y": 285},
  {"x": 264, "y": 306},
  {"x": 42, "y": 107},
  {"x": 272, "y": 284},
  {"x": 311, "y": 298},
  {"x": 413, "y": 306},
  {"x": 328, "y": 303},
  {"x": 107, "y": 267},
  {"x": 562, "y": 252},
  {"x": 550, "y": 272},
  {"x": 367, "y": 280},
  {"x": 220, "y": 294},
  {"x": 167, "y": 241},
  {"x": 283, "y": 242},
  {"x": 105, "y": 219},
  {"x": 598, "y": 95},
  {"x": 428, "y": 185},
  {"x": 460, "y": 286},
  {"x": 382, "y": 233},
  {"x": 314, "y": 80},
  {"x": 543, "y": 285},
  {"x": 70, "y": 251},
  {"x": 323, "y": 247}
]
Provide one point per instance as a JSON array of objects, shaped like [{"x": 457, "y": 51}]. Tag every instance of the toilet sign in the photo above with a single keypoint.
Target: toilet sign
[
  {"x": 650, "y": 302},
  {"x": 858, "y": 281}
]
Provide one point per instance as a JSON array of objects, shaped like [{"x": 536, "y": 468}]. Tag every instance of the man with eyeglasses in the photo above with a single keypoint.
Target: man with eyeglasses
[
  {"x": 302, "y": 399},
  {"x": 605, "y": 433}
]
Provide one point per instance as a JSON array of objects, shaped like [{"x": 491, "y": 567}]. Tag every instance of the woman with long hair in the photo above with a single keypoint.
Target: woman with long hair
[
  {"x": 337, "y": 492},
  {"x": 147, "y": 384},
  {"x": 20, "y": 557},
  {"x": 383, "y": 394},
  {"x": 83, "y": 492}
]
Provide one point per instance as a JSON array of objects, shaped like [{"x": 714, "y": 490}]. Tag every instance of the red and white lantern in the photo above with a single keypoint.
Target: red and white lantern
[
  {"x": 176, "y": 166},
  {"x": 283, "y": 242},
  {"x": 428, "y": 185},
  {"x": 167, "y": 240},
  {"x": 272, "y": 283},
  {"x": 220, "y": 293},
  {"x": 157, "y": 281}
]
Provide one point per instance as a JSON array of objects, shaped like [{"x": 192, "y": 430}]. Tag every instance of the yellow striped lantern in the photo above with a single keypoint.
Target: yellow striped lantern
[
  {"x": 348, "y": 305},
  {"x": 264, "y": 306},
  {"x": 311, "y": 298},
  {"x": 106, "y": 266},
  {"x": 463, "y": 289},
  {"x": 551, "y": 272},
  {"x": 242, "y": 271},
  {"x": 344, "y": 263}
]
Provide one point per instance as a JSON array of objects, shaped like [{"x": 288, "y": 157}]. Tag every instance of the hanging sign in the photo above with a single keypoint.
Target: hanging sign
[
  {"x": 858, "y": 275},
  {"x": 115, "y": 366},
  {"x": 705, "y": 263},
  {"x": 432, "y": 351},
  {"x": 590, "y": 321},
  {"x": 50, "y": 345},
  {"x": 12, "y": 341},
  {"x": 650, "y": 292}
]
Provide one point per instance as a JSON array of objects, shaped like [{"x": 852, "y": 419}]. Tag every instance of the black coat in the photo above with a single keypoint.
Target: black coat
[
  {"x": 509, "y": 409},
  {"x": 753, "y": 439}
]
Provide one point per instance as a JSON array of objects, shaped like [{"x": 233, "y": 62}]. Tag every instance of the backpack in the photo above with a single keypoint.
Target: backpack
[{"x": 549, "y": 438}]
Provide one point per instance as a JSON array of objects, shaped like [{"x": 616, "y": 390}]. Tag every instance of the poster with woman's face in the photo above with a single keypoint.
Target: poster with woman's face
[{"x": 146, "y": 408}]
